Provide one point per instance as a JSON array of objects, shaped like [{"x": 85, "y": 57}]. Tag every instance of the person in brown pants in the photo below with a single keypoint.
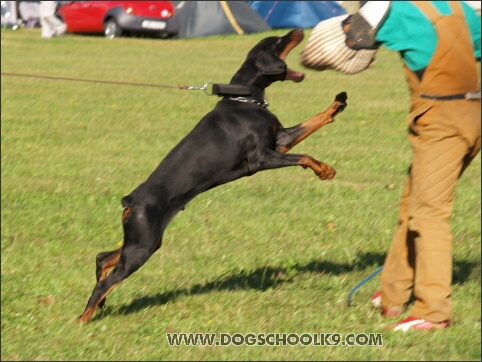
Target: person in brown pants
[{"x": 439, "y": 43}]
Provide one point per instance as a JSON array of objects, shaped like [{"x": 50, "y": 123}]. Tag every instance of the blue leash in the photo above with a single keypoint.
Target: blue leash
[{"x": 361, "y": 283}]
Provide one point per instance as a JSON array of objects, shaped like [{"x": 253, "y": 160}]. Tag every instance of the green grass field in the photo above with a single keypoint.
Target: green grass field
[{"x": 277, "y": 252}]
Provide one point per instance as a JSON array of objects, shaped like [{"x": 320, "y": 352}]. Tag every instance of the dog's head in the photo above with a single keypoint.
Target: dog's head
[{"x": 267, "y": 60}]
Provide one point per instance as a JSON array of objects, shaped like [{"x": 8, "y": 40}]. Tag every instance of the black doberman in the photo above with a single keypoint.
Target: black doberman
[{"x": 238, "y": 138}]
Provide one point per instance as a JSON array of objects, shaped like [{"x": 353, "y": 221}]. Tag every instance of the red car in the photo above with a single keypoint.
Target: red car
[{"x": 118, "y": 18}]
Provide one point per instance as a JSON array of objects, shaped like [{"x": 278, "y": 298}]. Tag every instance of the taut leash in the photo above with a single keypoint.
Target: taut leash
[
  {"x": 232, "y": 91},
  {"x": 185, "y": 87}
]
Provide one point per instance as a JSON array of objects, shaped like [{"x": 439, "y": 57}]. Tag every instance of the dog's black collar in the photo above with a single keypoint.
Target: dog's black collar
[
  {"x": 227, "y": 90},
  {"x": 235, "y": 92},
  {"x": 263, "y": 103}
]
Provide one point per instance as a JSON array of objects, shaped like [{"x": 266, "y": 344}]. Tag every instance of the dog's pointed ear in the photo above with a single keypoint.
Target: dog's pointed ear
[{"x": 268, "y": 64}]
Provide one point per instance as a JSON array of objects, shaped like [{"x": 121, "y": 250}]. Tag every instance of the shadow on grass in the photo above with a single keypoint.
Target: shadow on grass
[{"x": 267, "y": 277}]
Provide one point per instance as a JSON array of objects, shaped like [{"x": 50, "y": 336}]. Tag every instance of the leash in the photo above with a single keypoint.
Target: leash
[
  {"x": 183, "y": 87},
  {"x": 221, "y": 90},
  {"x": 359, "y": 285}
]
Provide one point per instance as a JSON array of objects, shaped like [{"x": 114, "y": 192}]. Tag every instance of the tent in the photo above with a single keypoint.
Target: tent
[
  {"x": 291, "y": 14},
  {"x": 204, "y": 18}
]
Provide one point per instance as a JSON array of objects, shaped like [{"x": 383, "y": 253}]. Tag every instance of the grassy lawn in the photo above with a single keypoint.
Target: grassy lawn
[{"x": 277, "y": 252}]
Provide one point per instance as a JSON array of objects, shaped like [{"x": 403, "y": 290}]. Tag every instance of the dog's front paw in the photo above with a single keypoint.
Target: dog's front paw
[
  {"x": 326, "y": 172},
  {"x": 340, "y": 103},
  {"x": 341, "y": 97}
]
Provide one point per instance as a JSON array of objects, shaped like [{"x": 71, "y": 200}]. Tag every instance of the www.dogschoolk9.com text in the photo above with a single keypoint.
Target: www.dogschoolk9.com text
[{"x": 275, "y": 339}]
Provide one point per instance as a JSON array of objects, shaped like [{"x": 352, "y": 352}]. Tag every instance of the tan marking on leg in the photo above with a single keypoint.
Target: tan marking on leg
[
  {"x": 321, "y": 169},
  {"x": 313, "y": 124},
  {"x": 87, "y": 315},
  {"x": 109, "y": 264}
]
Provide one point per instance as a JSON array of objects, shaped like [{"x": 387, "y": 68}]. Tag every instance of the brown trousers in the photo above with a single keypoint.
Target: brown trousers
[
  {"x": 444, "y": 140},
  {"x": 445, "y": 137}
]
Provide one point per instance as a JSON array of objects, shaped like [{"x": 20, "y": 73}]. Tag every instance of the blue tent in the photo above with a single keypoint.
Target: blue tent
[{"x": 291, "y": 14}]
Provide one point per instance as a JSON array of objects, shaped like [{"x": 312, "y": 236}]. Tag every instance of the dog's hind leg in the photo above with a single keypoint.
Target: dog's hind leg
[
  {"x": 131, "y": 258},
  {"x": 142, "y": 237},
  {"x": 108, "y": 259},
  {"x": 104, "y": 262}
]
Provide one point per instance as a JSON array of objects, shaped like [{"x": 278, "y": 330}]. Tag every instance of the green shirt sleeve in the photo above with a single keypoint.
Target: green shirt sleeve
[{"x": 407, "y": 30}]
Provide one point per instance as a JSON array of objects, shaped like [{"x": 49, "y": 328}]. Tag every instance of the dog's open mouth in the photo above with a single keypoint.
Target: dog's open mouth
[{"x": 295, "y": 36}]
